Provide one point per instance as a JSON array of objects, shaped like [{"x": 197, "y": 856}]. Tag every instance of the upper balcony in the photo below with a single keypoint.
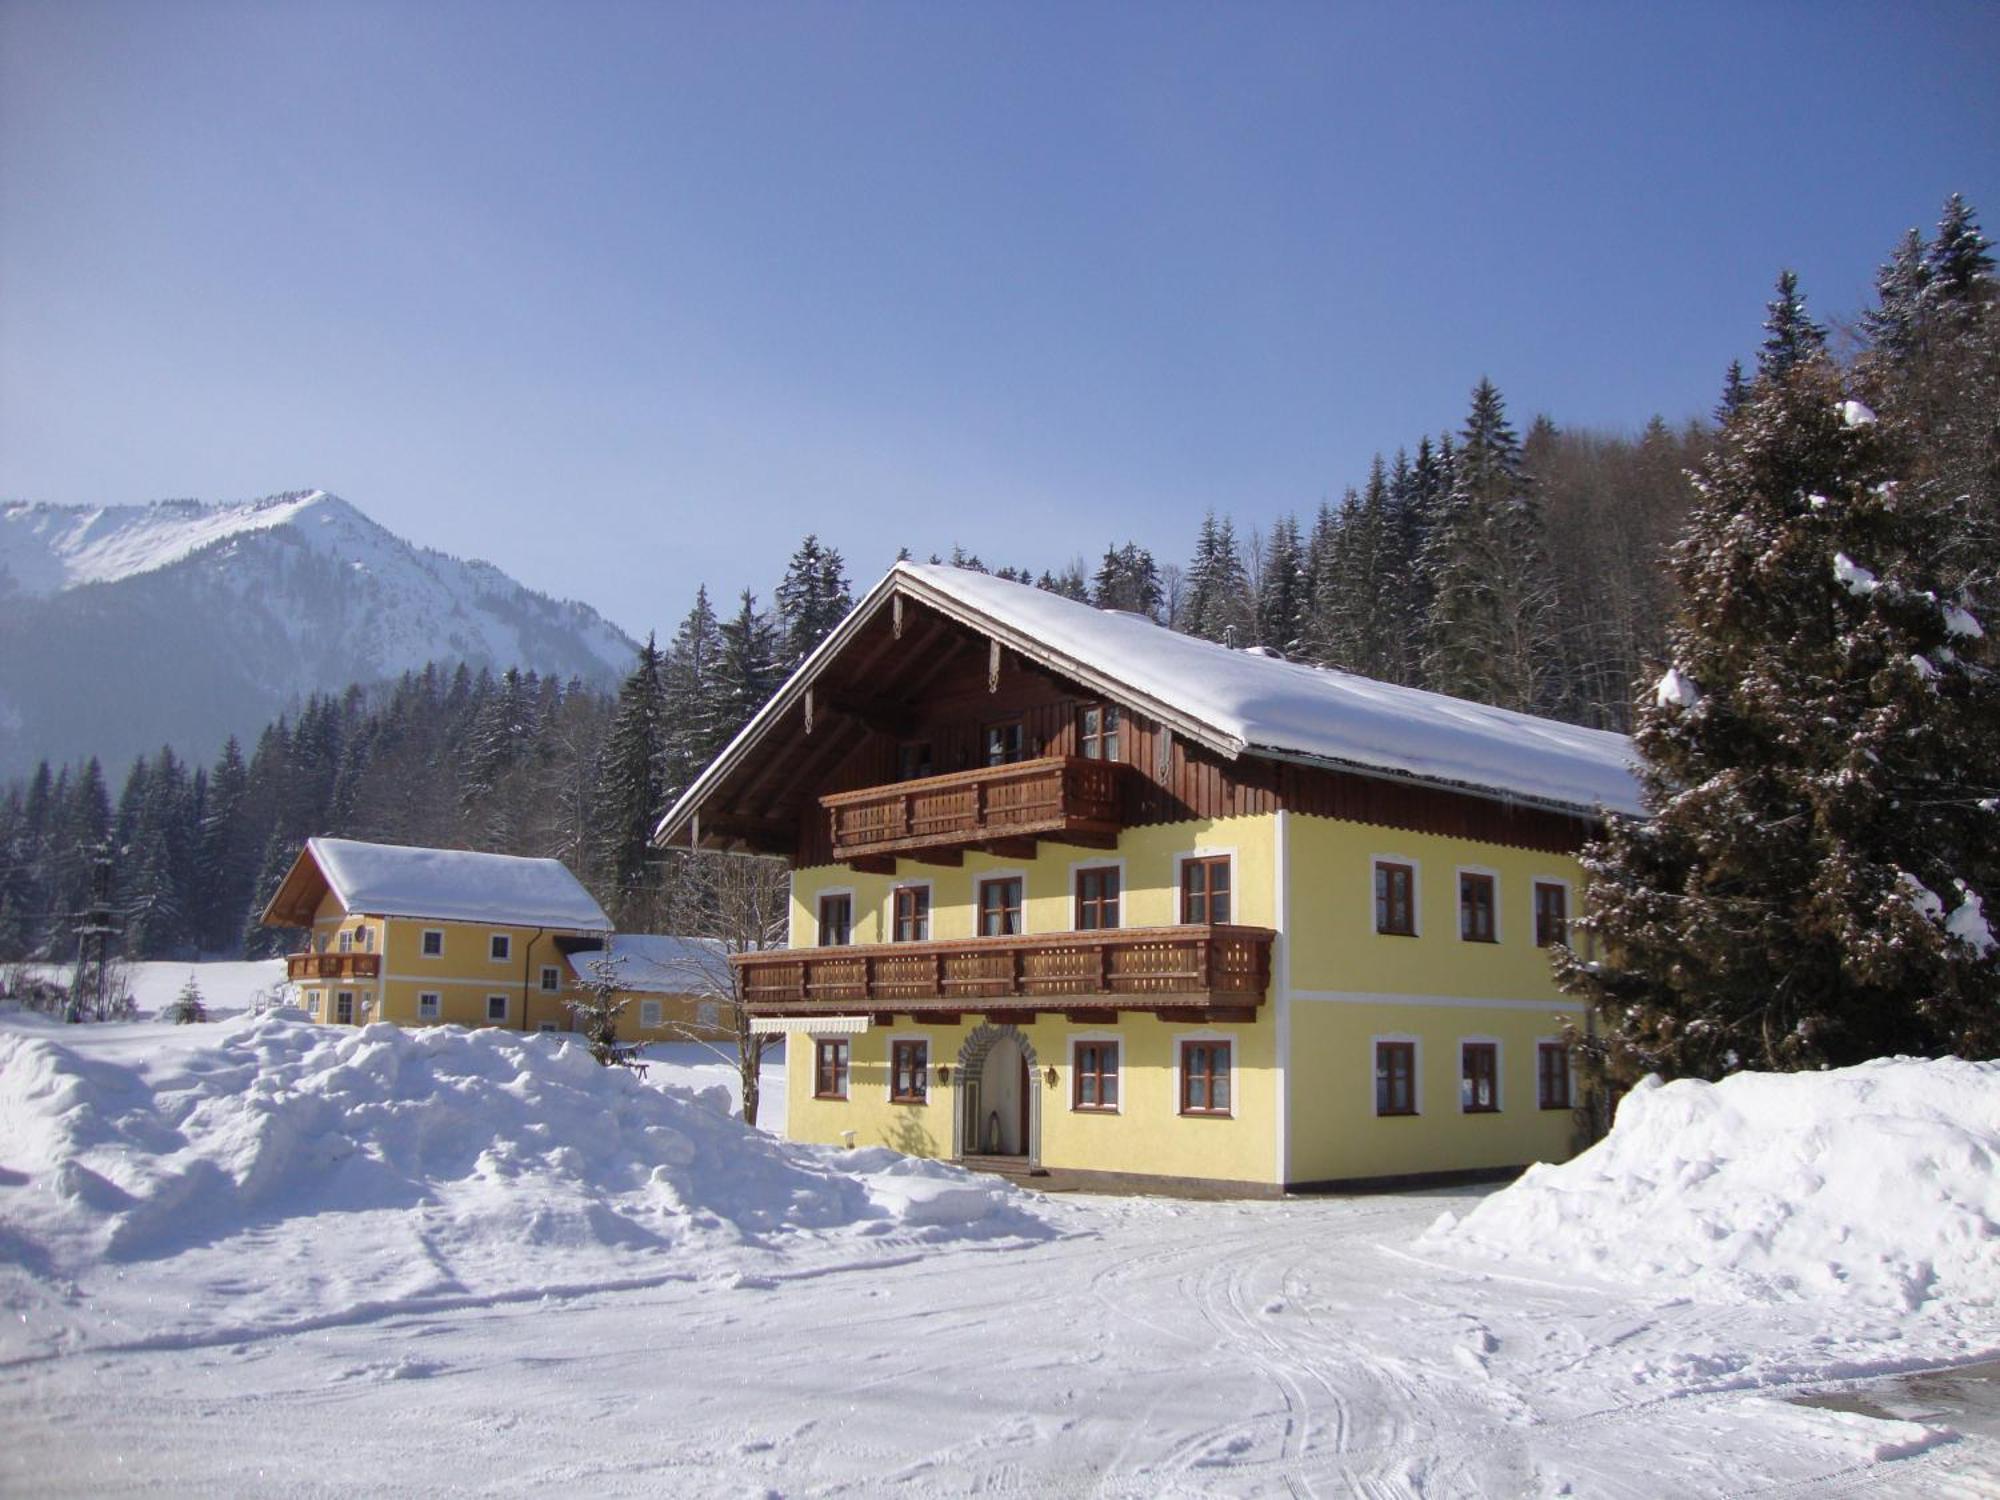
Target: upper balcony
[
  {"x": 936, "y": 818},
  {"x": 333, "y": 965},
  {"x": 1187, "y": 969}
]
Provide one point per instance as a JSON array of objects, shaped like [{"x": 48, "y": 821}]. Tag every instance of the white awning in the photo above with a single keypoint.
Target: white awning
[{"x": 808, "y": 1025}]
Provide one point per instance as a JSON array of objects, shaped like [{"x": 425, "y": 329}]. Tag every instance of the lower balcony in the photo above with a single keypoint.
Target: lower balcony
[
  {"x": 333, "y": 965},
  {"x": 1180, "y": 969}
]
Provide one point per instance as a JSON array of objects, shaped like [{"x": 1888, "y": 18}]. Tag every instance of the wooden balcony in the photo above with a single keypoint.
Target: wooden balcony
[
  {"x": 937, "y": 817},
  {"x": 1183, "y": 969},
  {"x": 333, "y": 965}
]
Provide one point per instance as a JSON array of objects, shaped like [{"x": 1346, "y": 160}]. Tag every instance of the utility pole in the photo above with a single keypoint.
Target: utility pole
[{"x": 95, "y": 926}]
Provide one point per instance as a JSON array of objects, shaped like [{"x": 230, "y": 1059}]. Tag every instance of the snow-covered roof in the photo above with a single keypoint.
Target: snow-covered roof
[
  {"x": 455, "y": 885},
  {"x": 1242, "y": 702},
  {"x": 655, "y": 963}
]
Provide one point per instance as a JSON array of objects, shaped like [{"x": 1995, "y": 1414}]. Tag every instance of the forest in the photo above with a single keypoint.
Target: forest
[{"x": 1530, "y": 570}]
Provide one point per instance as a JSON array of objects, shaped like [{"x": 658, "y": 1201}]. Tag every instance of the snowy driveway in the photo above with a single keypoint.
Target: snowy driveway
[{"x": 1158, "y": 1348}]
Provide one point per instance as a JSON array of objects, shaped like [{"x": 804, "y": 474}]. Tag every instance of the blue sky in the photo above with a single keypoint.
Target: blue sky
[{"x": 629, "y": 297}]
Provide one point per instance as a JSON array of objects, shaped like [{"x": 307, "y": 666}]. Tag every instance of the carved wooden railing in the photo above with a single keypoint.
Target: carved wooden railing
[
  {"x": 333, "y": 965},
  {"x": 1140, "y": 968},
  {"x": 1055, "y": 796}
]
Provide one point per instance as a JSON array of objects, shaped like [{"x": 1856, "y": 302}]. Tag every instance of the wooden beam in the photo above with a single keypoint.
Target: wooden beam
[
  {"x": 1010, "y": 848},
  {"x": 1091, "y": 1017},
  {"x": 951, "y": 858},
  {"x": 1009, "y": 1017},
  {"x": 1230, "y": 1013},
  {"x": 883, "y": 715},
  {"x": 875, "y": 864}
]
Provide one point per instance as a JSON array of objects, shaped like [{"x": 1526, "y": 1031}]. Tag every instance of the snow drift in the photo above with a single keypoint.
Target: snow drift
[
  {"x": 1877, "y": 1185},
  {"x": 273, "y": 1173}
]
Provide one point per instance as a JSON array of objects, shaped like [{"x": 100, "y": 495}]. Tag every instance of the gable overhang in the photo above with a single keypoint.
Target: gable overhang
[
  {"x": 296, "y": 901},
  {"x": 682, "y": 821}
]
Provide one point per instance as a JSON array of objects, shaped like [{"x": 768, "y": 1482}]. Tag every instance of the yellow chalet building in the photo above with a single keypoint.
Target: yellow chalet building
[{"x": 1073, "y": 893}]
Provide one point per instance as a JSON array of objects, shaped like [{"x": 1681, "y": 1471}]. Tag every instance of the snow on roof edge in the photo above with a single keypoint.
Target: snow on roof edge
[{"x": 568, "y": 906}]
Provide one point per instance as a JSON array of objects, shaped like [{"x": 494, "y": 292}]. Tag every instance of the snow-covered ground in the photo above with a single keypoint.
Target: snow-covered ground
[{"x": 264, "y": 1257}]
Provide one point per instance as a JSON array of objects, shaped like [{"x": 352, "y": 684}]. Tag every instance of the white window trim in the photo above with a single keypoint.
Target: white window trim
[
  {"x": 1569, "y": 1066},
  {"x": 889, "y": 915},
  {"x": 546, "y": 987},
  {"x": 1088, "y": 1038},
  {"x": 1569, "y": 901},
  {"x": 889, "y": 1059},
  {"x": 312, "y": 1003},
  {"x": 343, "y": 941},
  {"x": 436, "y": 1000},
  {"x": 1416, "y": 1073},
  {"x": 1203, "y": 1034},
  {"x": 427, "y": 932},
  {"x": 1416, "y": 893},
  {"x": 506, "y": 1010},
  {"x": 1499, "y": 903},
  {"x": 500, "y": 958},
  {"x": 980, "y": 877},
  {"x": 1499, "y": 1073},
  {"x": 853, "y": 912},
  {"x": 657, "y": 1007},
  {"x": 1077, "y": 870},
  {"x": 1180, "y": 858}
]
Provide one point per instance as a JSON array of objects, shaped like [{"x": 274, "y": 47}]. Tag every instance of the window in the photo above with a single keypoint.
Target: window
[
  {"x": 1096, "y": 1074},
  {"x": 551, "y": 979},
  {"x": 501, "y": 948},
  {"x": 649, "y": 1013},
  {"x": 343, "y": 1008},
  {"x": 364, "y": 939},
  {"x": 1097, "y": 733},
  {"x": 1204, "y": 1078},
  {"x": 1097, "y": 898},
  {"x": 836, "y": 921},
  {"x": 1003, "y": 743},
  {"x": 913, "y": 913},
  {"x": 830, "y": 1068},
  {"x": 547, "y": 1028},
  {"x": 1479, "y": 1078},
  {"x": 1395, "y": 1078},
  {"x": 913, "y": 759},
  {"x": 708, "y": 1013},
  {"x": 1205, "y": 889},
  {"x": 433, "y": 942},
  {"x": 428, "y": 1006},
  {"x": 909, "y": 1072},
  {"x": 1395, "y": 899},
  {"x": 1475, "y": 908},
  {"x": 312, "y": 1003},
  {"x": 1552, "y": 1071},
  {"x": 496, "y": 1007},
  {"x": 346, "y": 942},
  {"x": 1551, "y": 913},
  {"x": 1000, "y": 907}
]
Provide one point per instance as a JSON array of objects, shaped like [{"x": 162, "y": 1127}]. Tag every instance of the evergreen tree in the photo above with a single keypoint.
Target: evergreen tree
[
  {"x": 1281, "y": 593},
  {"x": 1789, "y": 335},
  {"x": 1070, "y": 583},
  {"x": 1128, "y": 579},
  {"x": 1218, "y": 606},
  {"x": 1735, "y": 389},
  {"x": 631, "y": 794},
  {"x": 1821, "y": 763},
  {"x": 691, "y": 687},
  {"x": 1893, "y": 326},
  {"x": 1491, "y": 633},
  {"x": 747, "y": 671},
  {"x": 812, "y": 599}
]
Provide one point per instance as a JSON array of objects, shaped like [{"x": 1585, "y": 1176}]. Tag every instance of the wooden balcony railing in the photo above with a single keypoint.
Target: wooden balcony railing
[
  {"x": 332, "y": 965},
  {"x": 1056, "y": 797},
  {"x": 1139, "y": 968}
]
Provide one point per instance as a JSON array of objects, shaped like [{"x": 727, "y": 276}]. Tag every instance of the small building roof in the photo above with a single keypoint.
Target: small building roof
[
  {"x": 445, "y": 885},
  {"x": 658, "y": 964}
]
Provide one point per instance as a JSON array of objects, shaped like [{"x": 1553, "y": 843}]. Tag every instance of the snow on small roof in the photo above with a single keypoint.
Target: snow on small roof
[
  {"x": 1240, "y": 702},
  {"x": 456, "y": 885},
  {"x": 655, "y": 963}
]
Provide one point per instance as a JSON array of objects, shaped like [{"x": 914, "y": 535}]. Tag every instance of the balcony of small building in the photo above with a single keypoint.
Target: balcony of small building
[
  {"x": 1216, "y": 972},
  {"x": 333, "y": 966},
  {"x": 1003, "y": 809}
]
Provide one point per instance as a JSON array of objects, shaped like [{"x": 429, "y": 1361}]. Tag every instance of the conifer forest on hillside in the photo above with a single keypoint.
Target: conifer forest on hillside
[{"x": 1553, "y": 571}]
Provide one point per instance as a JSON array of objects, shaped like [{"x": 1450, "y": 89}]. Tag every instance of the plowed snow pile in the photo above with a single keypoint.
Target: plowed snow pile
[
  {"x": 1877, "y": 1185},
  {"x": 271, "y": 1173}
]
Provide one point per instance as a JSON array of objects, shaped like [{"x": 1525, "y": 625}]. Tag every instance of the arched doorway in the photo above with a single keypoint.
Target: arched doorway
[{"x": 1000, "y": 1109}]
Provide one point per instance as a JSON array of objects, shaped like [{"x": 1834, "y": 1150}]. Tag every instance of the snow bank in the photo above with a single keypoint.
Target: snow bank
[
  {"x": 1876, "y": 1185},
  {"x": 273, "y": 1173}
]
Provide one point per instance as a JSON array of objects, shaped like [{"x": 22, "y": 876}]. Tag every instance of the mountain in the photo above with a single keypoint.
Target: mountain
[{"x": 123, "y": 628}]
